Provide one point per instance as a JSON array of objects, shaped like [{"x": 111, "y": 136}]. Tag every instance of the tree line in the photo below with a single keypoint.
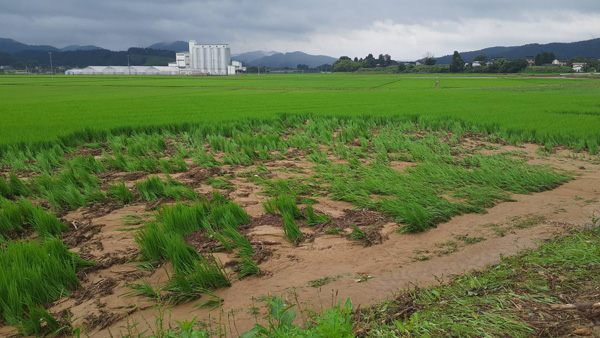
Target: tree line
[
  {"x": 457, "y": 64},
  {"x": 82, "y": 58}
]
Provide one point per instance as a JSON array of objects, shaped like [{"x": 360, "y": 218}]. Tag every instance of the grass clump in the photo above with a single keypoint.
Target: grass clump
[
  {"x": 194, "y": 273},
  {"x": 290, "y": 229},
  {"x": 144, "y": 289},
  {"x": 17, "y": 219},
  {"x": 121, "y": 192},
  {"x": 313, "y": 218},
  {"x": 34, "y": 274},
  {"x": 357, "y": 234},
  {"x": 495, "y": 302},
  {"x": 181, "y": 218},
  {"x": 283, "y": 204},
  {"x": 219, "y": 183},
  {"x": 153, "y": 188},
  {"x": 247, "y": 267},
  {"x": 70, "y": 189}
]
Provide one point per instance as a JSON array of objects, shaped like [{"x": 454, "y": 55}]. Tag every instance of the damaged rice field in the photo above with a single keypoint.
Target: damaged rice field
[{"x": 126, "y": 233}]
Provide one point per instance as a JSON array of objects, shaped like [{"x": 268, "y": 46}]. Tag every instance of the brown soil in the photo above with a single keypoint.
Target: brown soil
[
  {"x": 392, "y": 263},
  {"x": 97, "y": 234}
]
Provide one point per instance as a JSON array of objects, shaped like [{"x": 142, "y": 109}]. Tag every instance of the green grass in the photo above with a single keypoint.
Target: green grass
[
  {"x": 290, "y": 229},
  {"x": 542, "y": 109},
  {"x": 284, "y": 205},
  {"x": 494, "y": 302},
  {"x": 154, "y": 188},
  {"x": 121, "y": 192},
  {"x": 193, "y": 273},
  {"x": 17, "y": 218},
  {"x": 34, "y": 274}
]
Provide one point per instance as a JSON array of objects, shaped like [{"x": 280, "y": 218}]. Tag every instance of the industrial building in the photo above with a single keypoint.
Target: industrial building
[{"x": 201, "y": 59}]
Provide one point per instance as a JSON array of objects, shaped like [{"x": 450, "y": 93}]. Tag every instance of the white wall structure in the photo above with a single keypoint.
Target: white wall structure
[
  {"x": 125, "y": 70},
  {"x": 202, "y": 59},
  {"x": 209, "y": 59}
]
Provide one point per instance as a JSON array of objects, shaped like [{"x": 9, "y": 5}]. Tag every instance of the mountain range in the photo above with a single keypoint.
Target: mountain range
[
  {"x": 270, "y": 59},
  {"x": 562, "y": 51},
  {"x": 11, "y": 46},
  {"x": 283, "y": 60},
  {"x": 18, "y": 54}
]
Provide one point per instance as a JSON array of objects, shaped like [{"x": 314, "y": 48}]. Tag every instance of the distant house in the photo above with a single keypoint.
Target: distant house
[
  {"x": 476, "y": 64},
  {"x": 578, "y": 66},
  {"x": 559, "y": 63},
  {"x": 530, "y": 60},
  {"x": 494, "y": 58},
  {"x": 418, "y": 63}
]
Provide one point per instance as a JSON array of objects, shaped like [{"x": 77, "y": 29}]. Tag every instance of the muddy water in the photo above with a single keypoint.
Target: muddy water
[{"x": 393, "y": 265}]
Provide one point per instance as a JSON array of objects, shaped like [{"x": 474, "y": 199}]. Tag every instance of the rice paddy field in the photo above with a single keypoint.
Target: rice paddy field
[{"x": 321, "y": 205}]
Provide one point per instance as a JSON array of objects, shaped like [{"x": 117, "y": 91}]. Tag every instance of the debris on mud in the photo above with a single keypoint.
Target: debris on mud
[{"x": 100, "y": 288}]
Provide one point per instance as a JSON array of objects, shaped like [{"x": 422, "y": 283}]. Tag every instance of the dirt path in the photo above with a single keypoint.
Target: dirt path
[{"x": 401, "y": 261}]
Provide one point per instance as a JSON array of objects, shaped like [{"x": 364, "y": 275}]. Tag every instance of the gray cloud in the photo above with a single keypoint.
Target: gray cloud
[{"x": 405, "y": 29}]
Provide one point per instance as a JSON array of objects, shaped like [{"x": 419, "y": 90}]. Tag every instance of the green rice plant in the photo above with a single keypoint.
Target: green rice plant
[
  {"x": 16, "y": 217},
  {"x": 205, "y": 159},
  {"x": 152, "y": 241},
  {"x": 201, "y": 275},
  {"x": 5, "y": 190},
  {"x": 239, "y": 241},
  {"x": 166, "y": 166},
  {"x": 219, "y": 183},
  {"x": 247, "y": 267},
  {"x": 34, "y": 274},
  {"x": 181, "y": 218},
  {"x": 88, "y": 163},
  {"x": 46, "y": 224},
  {"x": 144, "y": 289},
  {"x": 592, "y": 146},
  {"x": 227, "y": 245},
  {"x": 154, "y": 188},
  {"x": 178, "y": 163},
  {"x": 39, "y": 322},
  {"x": 212, "y": 303},
  {"x": 292, "y": 187},
  {"x": 148, "y": 164},
  {"x": 222, "y": 212},
  {"x": 241, "y": 159},
  {"x": 181, "y": 255},
  {"x": 269, "y": 206},
  {"x": 357, "y": 234},
  {"x": 69, "y": 189},
  {"x": 142, "y": 144},
  {"x": 183, "y": 289},
  {"x": 290, "y": 229},
  {"x": 17, "y": 186},
  {"x": 312, "y": 218},
  {"x": 121, "y": 192},
  {"x": 283, "y": 204},
  {"x": 11, "y": 217}
]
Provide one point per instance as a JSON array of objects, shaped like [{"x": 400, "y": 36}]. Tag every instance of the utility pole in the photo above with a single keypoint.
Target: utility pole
[
  {"x": 51, "y": 68},
  {"x": 128, "y": 66}
]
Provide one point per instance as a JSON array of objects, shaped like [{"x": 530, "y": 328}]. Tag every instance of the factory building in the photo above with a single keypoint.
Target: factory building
[{"x": 201, "y": 59}]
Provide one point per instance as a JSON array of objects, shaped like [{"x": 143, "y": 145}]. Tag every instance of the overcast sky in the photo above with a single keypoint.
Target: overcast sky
[{"x": 404, "y": 29}]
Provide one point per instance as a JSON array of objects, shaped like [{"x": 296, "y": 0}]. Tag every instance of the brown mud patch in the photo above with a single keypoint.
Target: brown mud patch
[
  {"x": 392, "y": 263},
  {"x": 100, "y": 234}
]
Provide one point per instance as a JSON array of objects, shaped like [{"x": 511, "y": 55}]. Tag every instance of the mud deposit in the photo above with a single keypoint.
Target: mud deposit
[{"x": 367, "y": 271}]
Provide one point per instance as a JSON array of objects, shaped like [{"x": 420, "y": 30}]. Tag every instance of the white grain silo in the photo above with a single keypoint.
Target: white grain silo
[{"x": 209, "y": 59}]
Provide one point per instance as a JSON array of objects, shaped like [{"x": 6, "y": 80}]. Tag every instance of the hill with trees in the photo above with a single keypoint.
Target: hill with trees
[{"x": 562, "y": 51}]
